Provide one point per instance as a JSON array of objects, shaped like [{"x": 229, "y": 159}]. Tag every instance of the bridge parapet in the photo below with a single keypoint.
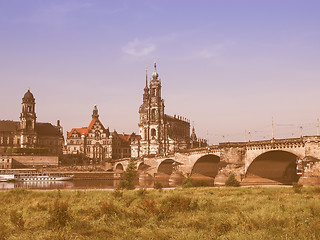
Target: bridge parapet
[{"x": 275, "y": 144}]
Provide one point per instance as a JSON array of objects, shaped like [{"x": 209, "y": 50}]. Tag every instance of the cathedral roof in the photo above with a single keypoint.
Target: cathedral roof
[
  {"x": 9, "y": 126},
  {"x": 47, "y": 129}
]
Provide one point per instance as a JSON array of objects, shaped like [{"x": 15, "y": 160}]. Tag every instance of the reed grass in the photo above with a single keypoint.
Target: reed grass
[{"x": 188, "y": 213}]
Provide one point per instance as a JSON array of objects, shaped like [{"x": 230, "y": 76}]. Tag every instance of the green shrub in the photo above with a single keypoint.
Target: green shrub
[
  {"x": 297, "y": 188},
  {"x": 190, "y": 182},
  {"x": 232, "y": 181}
]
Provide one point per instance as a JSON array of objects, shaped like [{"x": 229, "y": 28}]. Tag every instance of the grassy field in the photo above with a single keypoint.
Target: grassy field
[{"x": 194, "y": 213}]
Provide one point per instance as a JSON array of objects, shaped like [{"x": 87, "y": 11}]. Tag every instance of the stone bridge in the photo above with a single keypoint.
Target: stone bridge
[{"x": 275, "y": 161}]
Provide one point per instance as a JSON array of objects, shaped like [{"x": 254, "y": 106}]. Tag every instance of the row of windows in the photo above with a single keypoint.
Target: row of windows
[
  {"x": 77, "y": 142},
  {"x": 10, "y": 141}
]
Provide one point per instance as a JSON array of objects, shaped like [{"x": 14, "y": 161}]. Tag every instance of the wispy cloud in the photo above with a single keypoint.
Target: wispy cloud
[
  {"x": 138, "y": 48},
  {"x": 209, "y": 52}
]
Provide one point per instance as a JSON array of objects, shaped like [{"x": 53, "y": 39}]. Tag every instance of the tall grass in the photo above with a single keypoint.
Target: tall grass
[{"x": 189, "y": 213}]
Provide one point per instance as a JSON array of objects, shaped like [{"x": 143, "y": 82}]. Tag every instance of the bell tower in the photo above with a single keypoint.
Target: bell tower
[
  {"x": 156, "y": 106},
  {"x": 28, "y": 120},
  {"x": 28, "y": 115}
]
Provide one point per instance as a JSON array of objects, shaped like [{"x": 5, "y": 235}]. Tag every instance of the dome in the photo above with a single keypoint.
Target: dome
[
  {"x": 155, "y": 75},
  {"x": 143, "y": 108},
  {"x": 28, "y": 95}
]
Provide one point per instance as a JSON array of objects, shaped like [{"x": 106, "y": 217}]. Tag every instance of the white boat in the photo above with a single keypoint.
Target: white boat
[
  {"x": 6, "y": 177},
  {"x": 28, "y": 175},
  {"x": 8, "y": 174},
  {"x": 42, "y": 176}
]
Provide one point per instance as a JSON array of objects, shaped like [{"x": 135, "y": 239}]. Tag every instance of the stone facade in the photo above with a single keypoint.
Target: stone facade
[
  {"x": 28, "y": 136},
  {"x": 96, "y": 142},
  {"x": 160, "y": 133}
]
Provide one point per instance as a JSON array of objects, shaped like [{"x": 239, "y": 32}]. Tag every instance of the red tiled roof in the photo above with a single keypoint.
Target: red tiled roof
[
  {"x": 93, "y": 121},
  {"x": 81, "y": 131},
  {"x": 125, "y": 137},
  {"x": 85, "y": 130}
]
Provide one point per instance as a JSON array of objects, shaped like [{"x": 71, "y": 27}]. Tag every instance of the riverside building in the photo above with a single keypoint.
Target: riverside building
[
  {"x": 28, "y": 137},
  {"x": 97, "y": 142}
]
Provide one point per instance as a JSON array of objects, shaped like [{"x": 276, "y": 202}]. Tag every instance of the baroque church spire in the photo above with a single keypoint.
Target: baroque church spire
[{"x": 146, "y": 87}]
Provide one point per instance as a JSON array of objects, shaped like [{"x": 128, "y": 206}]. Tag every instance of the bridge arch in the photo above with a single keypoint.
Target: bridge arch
[
  {"x": 207, "y": 165},
  {"x": 275, "y": 165},
  {"x": 166, "y": 166},
  {"x": 119, "y": 168},
  {"x": 142, "y": 167}
]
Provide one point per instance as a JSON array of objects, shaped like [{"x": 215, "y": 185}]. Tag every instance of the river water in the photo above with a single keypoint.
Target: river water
[{"x": 81, "y": 184}]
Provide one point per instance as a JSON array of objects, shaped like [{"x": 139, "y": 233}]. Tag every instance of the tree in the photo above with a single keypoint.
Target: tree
[
  {"x": 129, "y": 175},
  {"x": 232, "y": 181}
]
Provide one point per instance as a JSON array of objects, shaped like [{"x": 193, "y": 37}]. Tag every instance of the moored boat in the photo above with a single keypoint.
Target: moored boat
[
  {"x": 21, "y": 175},
  {"x": 42, "y": 176},
  {"x": 8, "y": 174}
]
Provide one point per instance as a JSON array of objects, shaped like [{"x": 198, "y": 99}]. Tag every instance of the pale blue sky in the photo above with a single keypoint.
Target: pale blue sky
[{"x": 226, "y": 65}]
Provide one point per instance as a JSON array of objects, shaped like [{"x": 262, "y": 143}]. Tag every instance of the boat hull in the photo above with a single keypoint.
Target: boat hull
[{"x": 43, "y": 179}]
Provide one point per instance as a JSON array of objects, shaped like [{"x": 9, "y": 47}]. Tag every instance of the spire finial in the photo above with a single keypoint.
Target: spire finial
[
  {"x": 155, "y": 74},
  {"x": 28, "y": 88},
  {"x": 146, "y": 76}
]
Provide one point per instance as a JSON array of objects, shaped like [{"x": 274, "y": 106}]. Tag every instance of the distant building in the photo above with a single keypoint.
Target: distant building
[
  {"x": 160, "y": 133},
  {"x": 29, "y": 137},
  {"x": 96, "y": 142}
]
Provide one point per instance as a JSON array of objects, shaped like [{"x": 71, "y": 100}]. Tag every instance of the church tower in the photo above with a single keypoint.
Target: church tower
[
  {"x": 151, "y": 126},
  {"x": 28, "y": 120}
]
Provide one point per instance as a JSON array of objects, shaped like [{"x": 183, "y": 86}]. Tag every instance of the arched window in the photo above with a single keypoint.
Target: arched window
[
  {"x": 153, "y": 92},
  {"x": 153, "y": 115},
  {"x": 29, "y": 124},
  {"x": 153, "y": 132}
]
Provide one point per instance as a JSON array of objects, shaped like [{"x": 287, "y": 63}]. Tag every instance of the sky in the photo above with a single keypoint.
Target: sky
[{"x": 229, "y": 66}]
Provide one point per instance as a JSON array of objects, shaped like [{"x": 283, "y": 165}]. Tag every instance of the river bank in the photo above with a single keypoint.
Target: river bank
[{"x": 196, "y": 213}]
